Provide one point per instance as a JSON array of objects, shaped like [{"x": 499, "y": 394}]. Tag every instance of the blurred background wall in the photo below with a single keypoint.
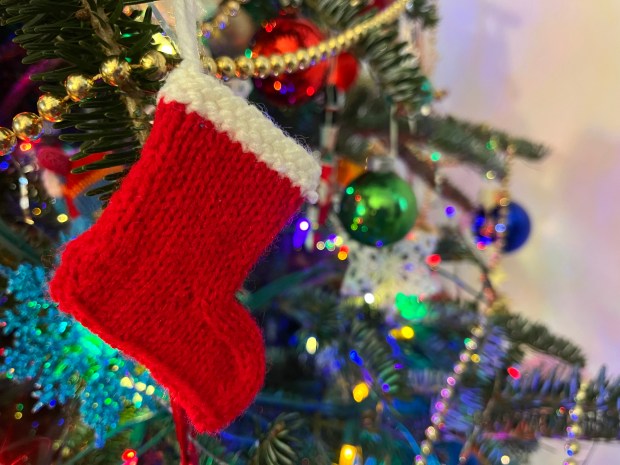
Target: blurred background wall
[{"x": 550, "y": 70}]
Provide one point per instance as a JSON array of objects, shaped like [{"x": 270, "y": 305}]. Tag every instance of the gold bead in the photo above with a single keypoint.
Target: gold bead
[
  {"x": 333, "y": 47},
  {"x": 323, "y": 51},
  {"x": 8, "y": 141},
  {"x": 28, "y": 126},
  {"x": 431, "y": 433},
  {"x": 358, "y": 30},
  {"x": 51, "y": 108},
  {"x": 343, "y": 42},
  {"x": 314, "y": 54},
  {"x": 427, "y": 447},
  {"x": 115, "y": 71},
  {"x": 154, "y": 64},
  {"x": 231, "y": 8},
  {"x": 78, "y": 87},
  {"x": 209, "y": 65},
  {"x": 350, "y": 37},
  {"x": 207, "y": 30},
  {"x": 573, "y": 447},
  {"x": 303, "y": 59},
  {"x": 277, "y": 64},
  {"x": 290, "y": 62},
  {"x": 221, "y": 21},
  {"x": 262, "y": 67},
  {"x": 225, "y": 68},
  {"x": 245, "y": 67}
]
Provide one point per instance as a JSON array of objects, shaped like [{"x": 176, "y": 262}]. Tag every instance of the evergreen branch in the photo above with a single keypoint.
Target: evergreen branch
[
  {"x": 366, "y": 113},
  {"x": 82, "y": 33},
  {"x": 475, "y": 143},
  {"x": 16, "y": 245},
  {"x": 377, "y": 357},
  {"x": 212, "y": 451},
  {"x": 395, "y": 69},
  {"x": 521, "y": 331},
  {"x": 279, "y": 444},
  {"x": 424, "y": 11}
]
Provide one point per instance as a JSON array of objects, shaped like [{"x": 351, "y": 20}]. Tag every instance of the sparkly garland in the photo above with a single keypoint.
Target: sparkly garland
[
  {"x": 66, "y": 360},
  {"x": 574, "y": 429}
]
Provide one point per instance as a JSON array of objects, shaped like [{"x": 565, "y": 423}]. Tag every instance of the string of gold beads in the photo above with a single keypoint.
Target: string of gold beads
[
  {"x": 116, "y": 72},
  {"x": 244, "y": 67},
  {"x": 28, "y": 127},
  {"x": 225, "y": 12}
]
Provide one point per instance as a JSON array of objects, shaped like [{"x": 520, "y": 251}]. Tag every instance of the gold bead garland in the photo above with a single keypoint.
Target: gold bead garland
[
  {"x": 117, "y": 72},
  {"x": 28, "y": 127},
  {"x": 220, "y": 21},
  {"x": 290, "y": 62}
]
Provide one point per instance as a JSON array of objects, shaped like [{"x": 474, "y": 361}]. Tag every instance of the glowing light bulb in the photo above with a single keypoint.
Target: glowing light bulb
[
  {"x": 312, "y": 345},
  {"x": 407, "y": 332},
  {"x": 369, "y": 298},
  {"x": 360, "y": 392},
  {"x": 514, "y": 372},
  {"x": 505, "y": 460},
  {"x": 304, "y": 225},
  {"x": 349, "y": 455}
]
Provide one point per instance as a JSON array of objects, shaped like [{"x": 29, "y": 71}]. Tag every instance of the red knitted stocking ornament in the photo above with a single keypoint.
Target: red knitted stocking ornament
[{"x": 156, "y": 276}]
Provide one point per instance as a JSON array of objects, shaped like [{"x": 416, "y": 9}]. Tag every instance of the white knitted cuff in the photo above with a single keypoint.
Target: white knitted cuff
[{"x": 244, "y": 123}]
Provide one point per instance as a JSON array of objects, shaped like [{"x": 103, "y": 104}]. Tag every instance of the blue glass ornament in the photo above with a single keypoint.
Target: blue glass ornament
[{"x": 486, "y": 227}]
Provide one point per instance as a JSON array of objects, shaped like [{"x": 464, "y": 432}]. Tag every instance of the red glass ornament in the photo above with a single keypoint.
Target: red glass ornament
[
  {"x": 284, "y": 35},
  {"x": 344, "y": 72}
]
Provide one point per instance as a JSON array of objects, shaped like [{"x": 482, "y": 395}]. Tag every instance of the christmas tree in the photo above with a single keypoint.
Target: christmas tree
[{"x": 386, "y": 339}]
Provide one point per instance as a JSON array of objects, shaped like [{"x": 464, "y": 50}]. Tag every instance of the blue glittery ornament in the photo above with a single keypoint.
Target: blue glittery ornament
[
  {"x": 486, "y": 227},
  {"x": 67, "y": 361}
]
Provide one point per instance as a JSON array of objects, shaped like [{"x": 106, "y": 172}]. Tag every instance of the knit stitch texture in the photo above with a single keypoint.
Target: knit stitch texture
[{"x": 156, "y": 276}]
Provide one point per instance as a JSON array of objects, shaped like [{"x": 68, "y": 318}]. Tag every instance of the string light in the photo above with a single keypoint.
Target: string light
[
  {"x": 350, "y": 455},
  {"x": 360, "y": 392},
  {"x": 312, "y": 345},
  {"x": 574, "y": 430},
  {"x": 433, "y": 432}
]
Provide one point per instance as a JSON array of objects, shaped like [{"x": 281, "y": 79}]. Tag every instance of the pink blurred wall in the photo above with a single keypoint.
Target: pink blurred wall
[{"x": 550, "y": 70}]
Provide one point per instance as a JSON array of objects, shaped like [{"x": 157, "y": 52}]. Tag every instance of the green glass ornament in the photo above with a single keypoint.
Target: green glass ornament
[{"x": 378, "y": 208}]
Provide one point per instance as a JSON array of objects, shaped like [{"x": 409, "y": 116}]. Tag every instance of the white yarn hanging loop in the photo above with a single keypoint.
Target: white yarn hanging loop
[{"x": 185, "y": 14}]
